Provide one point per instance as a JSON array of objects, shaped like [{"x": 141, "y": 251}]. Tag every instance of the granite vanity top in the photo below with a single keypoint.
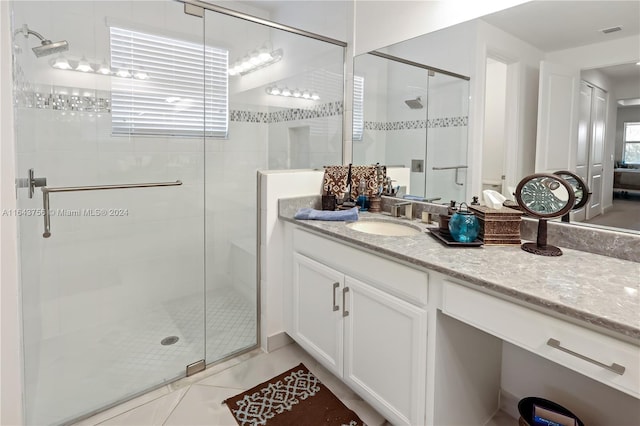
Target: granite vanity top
[{"x": 599, "y": 290}]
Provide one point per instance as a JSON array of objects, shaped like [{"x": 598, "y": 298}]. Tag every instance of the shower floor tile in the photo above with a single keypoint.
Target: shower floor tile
[{"x": 88, "y": 370}]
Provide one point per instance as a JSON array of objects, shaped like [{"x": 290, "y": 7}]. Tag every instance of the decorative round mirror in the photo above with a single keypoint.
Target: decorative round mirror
[
  {"x": 544, "y": 196},
  {"x": 580, "y": 190}
]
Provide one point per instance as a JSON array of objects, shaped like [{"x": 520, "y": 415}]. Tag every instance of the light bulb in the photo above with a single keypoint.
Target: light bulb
[
  {"x": 306, "y": 95},
  {"x": 275, "y": 91},
  {"x": 264, "y": 55},
  {"x": 233, "y": 71},
  {"x": 61, "y": 63},
  {"x": 84, "y": 66},
  {"x": 141, "y": 75},
  {"x": 315, "y": 96},
  {"x": 123, "y": 73},
  {"x": 297, "y": 93},
  {"x": 255, "y": 58},
  {"x": 104, "y": 68},
  {"x": 286, "y": 92}
]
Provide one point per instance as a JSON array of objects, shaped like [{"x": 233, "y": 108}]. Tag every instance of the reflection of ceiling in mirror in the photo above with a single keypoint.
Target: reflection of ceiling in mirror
[{"x": 558, "y": 25}]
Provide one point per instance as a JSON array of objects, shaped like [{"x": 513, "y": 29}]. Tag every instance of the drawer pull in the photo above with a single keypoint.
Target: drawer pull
[
  {"x": 616, "y": 368},
  {"x": 344, "y": 302},
  {"x": 335, "y": 286}
]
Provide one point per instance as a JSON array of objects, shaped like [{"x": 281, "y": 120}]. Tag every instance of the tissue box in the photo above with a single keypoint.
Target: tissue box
[{"x": 498, "y": 227}]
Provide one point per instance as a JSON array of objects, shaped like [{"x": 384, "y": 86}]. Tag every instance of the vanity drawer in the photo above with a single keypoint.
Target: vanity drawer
[
  {"x": 603, "y": 358},
  {"x": 397, "y": 279}
]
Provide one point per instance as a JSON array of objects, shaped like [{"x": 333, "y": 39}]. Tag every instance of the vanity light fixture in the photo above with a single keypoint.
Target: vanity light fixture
[
  {"x": 254, "y": 61},
  {"x": 295, "y": 93},
  {"x": 85, "y": 66}
]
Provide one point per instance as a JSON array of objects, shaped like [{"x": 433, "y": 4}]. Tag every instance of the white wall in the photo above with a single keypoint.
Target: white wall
[
  {"x": 382, "y": 23},
  {"x": 494, "y": 123}
]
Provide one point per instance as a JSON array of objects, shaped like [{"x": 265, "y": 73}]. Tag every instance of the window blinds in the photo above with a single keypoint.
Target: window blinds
[
  {"x": 170, "y": 87},
  {"x": 358, "y": 108}
]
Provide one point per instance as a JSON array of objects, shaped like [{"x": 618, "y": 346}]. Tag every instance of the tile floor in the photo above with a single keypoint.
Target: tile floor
[
  {"x": 125, "y": 357},
  {"x": 196, "y": 400}
]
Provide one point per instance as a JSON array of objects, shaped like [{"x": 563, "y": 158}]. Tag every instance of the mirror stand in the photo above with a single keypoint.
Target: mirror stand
[{"x": 540, "y": 246}]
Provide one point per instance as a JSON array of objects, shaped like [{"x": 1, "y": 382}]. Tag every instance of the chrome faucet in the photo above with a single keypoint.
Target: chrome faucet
[{"x": 395, "y": 209}]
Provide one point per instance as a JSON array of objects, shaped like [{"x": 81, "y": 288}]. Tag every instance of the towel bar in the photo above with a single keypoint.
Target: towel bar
[{"x": 47, "y": 190}]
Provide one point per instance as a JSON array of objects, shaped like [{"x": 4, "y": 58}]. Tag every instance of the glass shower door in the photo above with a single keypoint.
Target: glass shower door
[
  {"x": 112, "y": 272},
  {"x": 447, "y": 128}
]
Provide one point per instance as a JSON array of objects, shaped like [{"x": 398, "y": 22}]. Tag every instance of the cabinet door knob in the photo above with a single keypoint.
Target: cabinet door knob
[
  {"x": 616, "y": 368},
  {"x": 335, "y": 306},
  {"x": 344, "y": 302}
]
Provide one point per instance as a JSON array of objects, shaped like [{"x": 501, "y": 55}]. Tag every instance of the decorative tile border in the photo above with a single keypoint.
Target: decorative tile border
[
  {"x": 325, "y": 110},
  {"x": 417, "y": 124}
]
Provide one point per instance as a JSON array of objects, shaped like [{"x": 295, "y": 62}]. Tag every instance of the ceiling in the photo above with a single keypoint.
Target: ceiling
[
  {"x": 558, "y": 25},
  {"x": 622, "y": 72}
]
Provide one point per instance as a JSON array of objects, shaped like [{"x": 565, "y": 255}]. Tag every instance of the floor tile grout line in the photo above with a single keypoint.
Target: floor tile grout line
[
  {"x": 133, "y": 408},
  {"x": 176, "y": 405}
]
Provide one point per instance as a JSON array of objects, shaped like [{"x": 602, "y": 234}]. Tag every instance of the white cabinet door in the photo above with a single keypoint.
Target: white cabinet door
[
  {"x": 317, "y": 311},
  {"x": 386, "y": 352}
]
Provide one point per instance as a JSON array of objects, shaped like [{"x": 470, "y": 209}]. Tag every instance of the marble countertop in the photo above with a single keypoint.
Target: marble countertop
[{"x": 599, "y": 290}]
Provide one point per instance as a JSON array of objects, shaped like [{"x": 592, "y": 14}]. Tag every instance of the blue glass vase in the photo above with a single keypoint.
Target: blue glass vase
[{"x": 464, "y": 226}]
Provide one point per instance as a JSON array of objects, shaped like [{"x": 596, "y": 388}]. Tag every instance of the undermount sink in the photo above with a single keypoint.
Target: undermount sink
[{"x": 393, "y": 229}]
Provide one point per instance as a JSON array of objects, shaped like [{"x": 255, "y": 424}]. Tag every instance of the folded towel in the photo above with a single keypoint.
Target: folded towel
[
  {"x": 313, "y": 214},
  {"x": 413, "y": 197}
]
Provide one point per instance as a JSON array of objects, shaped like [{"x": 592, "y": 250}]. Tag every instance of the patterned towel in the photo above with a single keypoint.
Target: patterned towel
[{"x": 335, "y": 179}]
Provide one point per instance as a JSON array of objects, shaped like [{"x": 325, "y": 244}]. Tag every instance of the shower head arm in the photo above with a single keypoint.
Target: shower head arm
[{"x": 26, "y": 31}]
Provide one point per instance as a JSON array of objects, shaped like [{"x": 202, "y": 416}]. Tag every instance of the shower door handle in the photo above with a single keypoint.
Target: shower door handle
[{"x": 48, "y": 190}]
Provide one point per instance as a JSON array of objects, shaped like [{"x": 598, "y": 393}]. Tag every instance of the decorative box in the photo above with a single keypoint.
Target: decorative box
[{"x": 498, "y": 227}]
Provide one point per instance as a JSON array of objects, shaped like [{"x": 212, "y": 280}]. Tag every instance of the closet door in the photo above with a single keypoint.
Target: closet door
[
  {"x": 596, "y": 154},
  {"x": 584, "y": 142}
]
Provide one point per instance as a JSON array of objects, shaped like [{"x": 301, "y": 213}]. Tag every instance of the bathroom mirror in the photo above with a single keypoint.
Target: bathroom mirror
[
  {"x": 410, "y": 115},
  {"x": 502, "y": 53},
  {"x": 580, "y": 189},
  {"x": 544, "y": 196}
]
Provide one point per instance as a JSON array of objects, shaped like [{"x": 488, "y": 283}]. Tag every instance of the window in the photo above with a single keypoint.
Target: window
[
  {"x": 631, "y": 140},
  {"x": 358, "y": 108},
  {"x": 169, "y": 87}
]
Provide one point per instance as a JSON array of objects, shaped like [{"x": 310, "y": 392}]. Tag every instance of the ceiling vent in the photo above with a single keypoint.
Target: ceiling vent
[{"x": 611, "y": 30}]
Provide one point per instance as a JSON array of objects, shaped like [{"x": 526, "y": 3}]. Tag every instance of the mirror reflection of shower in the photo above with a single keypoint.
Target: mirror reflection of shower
[
  {"x": 414, "y": 103},
  {"x": 47, "y": 47}
]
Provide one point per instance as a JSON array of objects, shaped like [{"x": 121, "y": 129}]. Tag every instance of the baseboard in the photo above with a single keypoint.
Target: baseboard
[
  {"x": 278, "y": 340},
  {"x": 509, "y": 403}
]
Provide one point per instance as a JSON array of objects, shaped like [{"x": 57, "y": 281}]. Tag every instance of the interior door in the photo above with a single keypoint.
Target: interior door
[
  {"x": 584, "y": 135},
  {"x": 558, "y": 100},
  {"x": 596, "y": 154}
]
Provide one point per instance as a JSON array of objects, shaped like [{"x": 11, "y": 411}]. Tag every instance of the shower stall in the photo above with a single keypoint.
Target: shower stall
[{"x": 137, "y": 150}]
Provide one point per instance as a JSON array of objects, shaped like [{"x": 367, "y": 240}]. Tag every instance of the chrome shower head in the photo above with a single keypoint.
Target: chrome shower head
[
  {"x": 47, "y": 47},
  {"x": 414, "y": 103}
]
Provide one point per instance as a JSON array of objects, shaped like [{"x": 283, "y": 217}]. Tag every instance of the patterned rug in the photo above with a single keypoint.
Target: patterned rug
[{"x": 293, "y": 398}]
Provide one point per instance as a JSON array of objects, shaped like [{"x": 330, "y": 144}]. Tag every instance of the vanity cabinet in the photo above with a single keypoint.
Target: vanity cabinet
[
  {"x": 317, "y": 317},
  {"x": 374, "y": 340}
]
